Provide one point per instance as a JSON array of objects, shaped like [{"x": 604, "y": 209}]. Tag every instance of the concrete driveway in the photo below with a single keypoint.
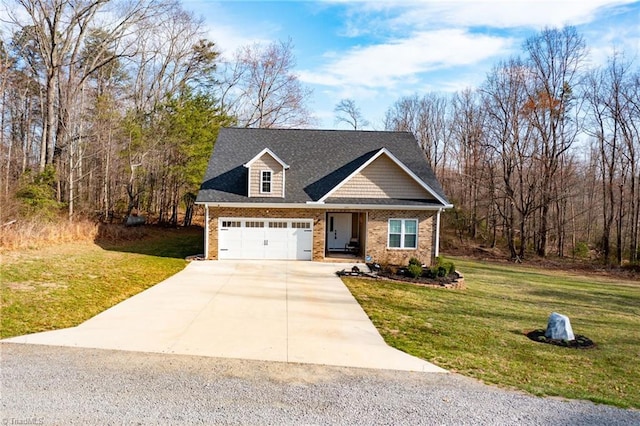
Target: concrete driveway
[{"x": 263, "y": 310}]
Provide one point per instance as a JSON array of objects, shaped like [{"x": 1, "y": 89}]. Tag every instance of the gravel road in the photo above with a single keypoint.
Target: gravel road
[{"x": 59, "y": 386}]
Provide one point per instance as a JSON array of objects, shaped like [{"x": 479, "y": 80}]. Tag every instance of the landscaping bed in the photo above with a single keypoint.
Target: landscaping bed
[
  {"x": 401, "y": 274},
  {"x": 441, "y": 274},
  {"x": 580, "y": 342}
]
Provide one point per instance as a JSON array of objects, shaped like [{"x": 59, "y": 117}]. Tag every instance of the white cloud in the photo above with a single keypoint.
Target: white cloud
[
  {"x": 228, "y": 39},
  {"x": 400, "y": 61},
  {"x": 473, "y": 13},
  {"x": 603, "y": 44},
  {"x": 228, "y": 30}
]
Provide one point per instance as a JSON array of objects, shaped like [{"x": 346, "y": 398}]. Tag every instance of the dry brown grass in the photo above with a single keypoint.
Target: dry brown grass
[{"x": 35, "y": 234}]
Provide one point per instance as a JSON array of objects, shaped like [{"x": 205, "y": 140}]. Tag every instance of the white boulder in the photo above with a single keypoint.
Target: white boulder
[{"x": 559, "y": 327}]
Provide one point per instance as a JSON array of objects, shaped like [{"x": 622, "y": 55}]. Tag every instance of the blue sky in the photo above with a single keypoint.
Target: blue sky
[{"x": 375, "y": 52}]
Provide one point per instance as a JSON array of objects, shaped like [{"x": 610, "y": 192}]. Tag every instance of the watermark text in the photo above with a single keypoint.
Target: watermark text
[{"x": 7, "y": 421}]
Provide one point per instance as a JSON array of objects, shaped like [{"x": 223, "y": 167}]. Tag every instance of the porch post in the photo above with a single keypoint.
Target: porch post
[
  {"x": 206, "y": 231},
  {"x": 436, "y": 249}
]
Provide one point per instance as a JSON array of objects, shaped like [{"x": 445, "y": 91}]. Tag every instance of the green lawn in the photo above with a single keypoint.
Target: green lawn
[
  {"x": 479, "y": 331},
  {"x": 64, "y": 285}
]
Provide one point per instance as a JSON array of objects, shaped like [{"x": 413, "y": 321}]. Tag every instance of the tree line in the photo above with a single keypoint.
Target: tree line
[
  {"x": 112, "y": 108},
  {"x": 543, "y": 157}
]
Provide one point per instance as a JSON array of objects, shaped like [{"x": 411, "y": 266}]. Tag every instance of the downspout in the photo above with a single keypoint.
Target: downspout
[
  {"x": 206, "y": 231},
  {"x": 437, "y": 242}
]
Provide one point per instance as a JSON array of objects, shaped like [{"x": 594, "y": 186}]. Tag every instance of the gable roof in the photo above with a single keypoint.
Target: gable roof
[
  {"x": 319, "y": 162},
  {"x": 384, "y": 151},
  {"x": 261, "y": 153}
]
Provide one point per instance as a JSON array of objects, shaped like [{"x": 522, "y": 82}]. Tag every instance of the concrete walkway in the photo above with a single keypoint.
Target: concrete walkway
[{"x": 261, "y": 310}]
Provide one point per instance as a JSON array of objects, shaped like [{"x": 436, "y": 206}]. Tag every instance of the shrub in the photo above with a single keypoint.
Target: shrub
[
  {"x": 36, "y": 194},
  {"x": 429, "y": 273},
  {"x": 414, "y": 270},
  {"x": 415, "y": 261},
  {"x": 449, "y": 266},
  {"x": 581, "y": 250},
  {"x": 442, "y": 268}
]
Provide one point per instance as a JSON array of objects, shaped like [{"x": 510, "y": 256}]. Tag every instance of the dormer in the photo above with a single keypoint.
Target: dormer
[{"x": 266, "y": 175}]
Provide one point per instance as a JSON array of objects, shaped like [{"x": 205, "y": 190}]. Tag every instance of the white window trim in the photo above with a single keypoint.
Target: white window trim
[
  {"x": 402, "y": 235},
  {"x": 270, "y": 181}
]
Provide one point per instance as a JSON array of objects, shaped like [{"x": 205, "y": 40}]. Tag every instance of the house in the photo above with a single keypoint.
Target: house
[{"x": 312, "y": 194}]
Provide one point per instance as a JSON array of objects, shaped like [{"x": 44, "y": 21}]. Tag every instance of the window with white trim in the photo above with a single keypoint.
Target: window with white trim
[
  {"x": 403, "y": 233},
  {"x": 231, "y": 224},
  {"x": 265, "y": 181}
]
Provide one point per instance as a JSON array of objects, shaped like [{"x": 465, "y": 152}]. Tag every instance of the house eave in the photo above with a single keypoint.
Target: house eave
[{"x": 323, "y": 206}]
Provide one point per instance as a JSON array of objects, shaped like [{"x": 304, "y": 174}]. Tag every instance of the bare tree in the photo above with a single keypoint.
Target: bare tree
[
  {"x": 172, "y": 52},
  {"x": 427, "y": 117},
  {"x": 614, "y": 122},
  {"x": 509, "y": 136},
  {"x": 631, "y": 96},
  {"x": 5, "y": 68},
  {"x": 554, "y": 58},
  {"x": 261, "y": 89},
  {"x": 348, "y": 112},
  {"x": 58, "y": 30},
  {"x": 467, "y": 135}
]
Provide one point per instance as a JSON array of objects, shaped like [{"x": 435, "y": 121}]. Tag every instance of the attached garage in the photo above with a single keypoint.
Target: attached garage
[{"x": 261, "y": 238}]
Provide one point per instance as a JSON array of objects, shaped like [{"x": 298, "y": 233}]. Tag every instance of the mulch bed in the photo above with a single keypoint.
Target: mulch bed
[
  {"x": 439, "y": 281},
  {"x": 392, "y": 274},
  {"x": 581, "y": 342},
  {"x": 399, "y": 274}
]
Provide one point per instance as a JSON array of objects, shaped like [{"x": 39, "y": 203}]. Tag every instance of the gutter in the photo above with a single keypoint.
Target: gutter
[
  {"x": 436, "y": 244},
  {"x": 323, "y": 206}
]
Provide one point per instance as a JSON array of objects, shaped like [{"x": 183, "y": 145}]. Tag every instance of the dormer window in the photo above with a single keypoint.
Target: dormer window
[
  {"x": 266, "y": 177},
  {"x": 265, "y": 181}
]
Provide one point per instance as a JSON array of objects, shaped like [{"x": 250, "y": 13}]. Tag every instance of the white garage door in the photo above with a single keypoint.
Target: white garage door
[{"x": 258, "y": 238}]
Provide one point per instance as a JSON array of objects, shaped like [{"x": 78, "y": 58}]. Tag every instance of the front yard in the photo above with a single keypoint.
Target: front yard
[
  {"x": 64, "y": 285},
  {"x": 479, "y": 331}
]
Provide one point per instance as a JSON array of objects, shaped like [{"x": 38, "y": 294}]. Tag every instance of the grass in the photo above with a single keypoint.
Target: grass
[
  {"x": 38, "y": 232},
  {"x": 479, "y": 332},
  {"x": 62, "y": 286}
]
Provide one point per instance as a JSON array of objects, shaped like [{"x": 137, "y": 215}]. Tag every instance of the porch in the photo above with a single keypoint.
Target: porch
[{"x": 345, "y": 236}]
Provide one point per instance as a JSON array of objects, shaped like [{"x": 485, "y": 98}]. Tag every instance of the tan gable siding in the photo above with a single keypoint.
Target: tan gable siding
[
  {"x": 382, "y": 179},
  {"x": 266, "y": 162}
]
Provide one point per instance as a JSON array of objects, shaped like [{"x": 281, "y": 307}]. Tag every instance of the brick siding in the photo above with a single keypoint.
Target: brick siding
[
  {"x": 376, "y": 237},
  {"x": 377, "y": 229}
]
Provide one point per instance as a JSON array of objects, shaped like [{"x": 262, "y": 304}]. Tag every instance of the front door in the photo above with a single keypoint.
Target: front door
[{"x": 338, "y": 231}]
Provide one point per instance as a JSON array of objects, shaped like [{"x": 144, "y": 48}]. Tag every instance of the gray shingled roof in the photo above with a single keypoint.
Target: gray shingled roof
[{"x": 318, "y": 160}]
